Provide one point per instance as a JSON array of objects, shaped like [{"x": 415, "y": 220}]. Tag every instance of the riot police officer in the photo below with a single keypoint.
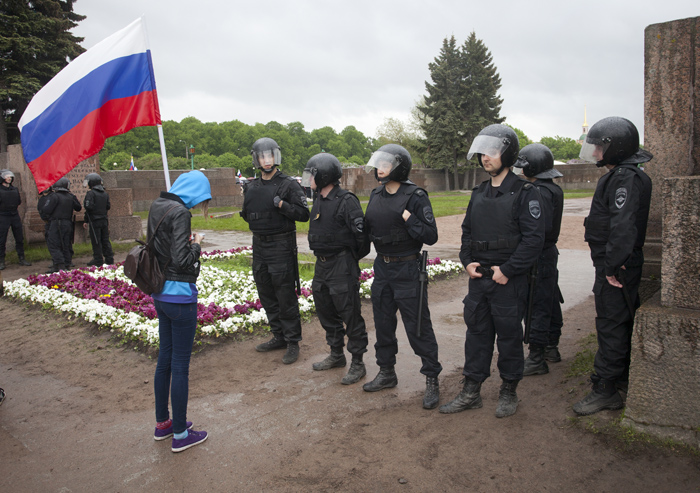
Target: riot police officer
[
  {"x": 96, "y": 205},
  {"x": 400, "y": 220},
  {"x": 59, "y": 208},
  {"x": 502, "y": 237},
  {"x": 10, "y": 200},
  {"x": 537, "y": 163},
  {"x": 338, "y": 239},
  {"x": 271, "y": 206},
  {"x": 43, "y": 198},
  {"x": 615, "y": 231}
]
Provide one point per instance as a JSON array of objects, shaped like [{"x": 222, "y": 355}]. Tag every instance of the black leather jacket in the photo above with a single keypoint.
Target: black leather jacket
[{"x": 172, "y": 240}]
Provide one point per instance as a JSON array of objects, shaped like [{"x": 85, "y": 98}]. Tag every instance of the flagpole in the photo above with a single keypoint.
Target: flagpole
[{"x": 165, "y": 158}]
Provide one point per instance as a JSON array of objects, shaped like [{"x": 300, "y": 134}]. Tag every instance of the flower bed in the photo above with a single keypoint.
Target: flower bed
[{"x": 228, "y": 300}]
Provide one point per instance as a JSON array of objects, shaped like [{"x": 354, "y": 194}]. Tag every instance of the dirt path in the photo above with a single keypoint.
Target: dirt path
[{"x": 79, "y": 417}]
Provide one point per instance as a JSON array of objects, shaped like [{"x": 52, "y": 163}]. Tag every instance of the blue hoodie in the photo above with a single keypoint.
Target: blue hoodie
[{"x": 193, "y": 188}]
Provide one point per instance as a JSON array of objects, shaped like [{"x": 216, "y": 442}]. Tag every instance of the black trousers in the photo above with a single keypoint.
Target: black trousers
[
  {"x": 99, "y": 237},
  {"x": 14, "y": 222},
  {"x": 274, "y": 271},
  {"x": 547, "y": 319},
  {"x": 59, "y": 241},
  {"x": 614, "y": 322},
  {"x": 494, "y": 312},
  {"x": 336, "y": 288},
  {"x": 396, "y": 288}
]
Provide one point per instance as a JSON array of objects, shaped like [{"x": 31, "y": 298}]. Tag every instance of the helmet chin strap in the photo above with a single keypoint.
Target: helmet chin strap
[{"x": 271, "y": 170}]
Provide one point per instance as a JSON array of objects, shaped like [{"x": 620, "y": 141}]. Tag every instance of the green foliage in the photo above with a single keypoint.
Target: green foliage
[
  {"x": 563, "y": 148},
  {"x": 582, "y": 365},
  {"x": 522, "y": 138}
]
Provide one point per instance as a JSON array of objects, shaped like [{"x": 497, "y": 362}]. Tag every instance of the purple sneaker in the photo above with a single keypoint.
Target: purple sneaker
[
  {"x": 168, "y": 432},
  {"x": 193, "y": 438}
]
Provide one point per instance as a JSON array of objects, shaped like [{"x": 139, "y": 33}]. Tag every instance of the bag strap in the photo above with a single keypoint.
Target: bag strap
[{"x": 158, "y": 225}]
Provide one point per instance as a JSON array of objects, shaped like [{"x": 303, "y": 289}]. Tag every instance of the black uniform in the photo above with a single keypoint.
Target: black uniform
[
  {"x": 503, "y": 227},
  {"x": 338, "y": 239},
  {"x": 96, "y": 206},
  {"x": 43, "y": 198},
  {"x": 615, "y": 232},
  {"x": 9, "y": 218},
  {"x": 547, "y": 320},
  {"x": 59, "y": 208},
  {"x": 275, "y": 267},
  {"x": 396, "y": 269}
]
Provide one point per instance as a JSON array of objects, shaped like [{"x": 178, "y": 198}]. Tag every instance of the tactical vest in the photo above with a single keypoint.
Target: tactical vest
[
  {"x": 64, "y": 206},
  {"x": 98, "y": 200},
  {"x": 494, "y": 230},
  {"x": 597, "y": 223},
  {"x": 328, "y": 233},
  {"x": 551, "y": 237},
  {"x": 9, "y": 199},
  {"x": 384, "y": 216},
  {"x": 262, "y": 215}
]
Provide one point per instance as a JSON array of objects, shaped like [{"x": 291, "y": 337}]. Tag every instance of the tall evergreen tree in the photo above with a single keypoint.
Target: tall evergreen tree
[{"x": 35, "y": 44}]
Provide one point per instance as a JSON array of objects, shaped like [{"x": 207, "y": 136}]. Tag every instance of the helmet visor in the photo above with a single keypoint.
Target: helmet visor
[
  {"x": 592, "y": 151},
  {"x": 7, "y": 174},
  {"x": 307, "y": 177},
  {"x": 382, "y": 161},
  {"x": 268, "y": 157},
  {"x": 489, "y": 145}
]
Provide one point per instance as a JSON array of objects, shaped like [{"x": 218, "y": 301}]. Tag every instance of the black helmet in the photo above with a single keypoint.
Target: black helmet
[
  {"x": 613, "y": 140},
  {"x": 324, "y": 168},
  {"x": 92, "y": 180},
  {"x": 496, "y": 140},
  {"x": 62, "y": 185},
  {"x": 394, "y": 155},
  {"x": 6, "y": 173},
  {"x": 266, "y": 148},
  {"x": 537, "y": 161}
]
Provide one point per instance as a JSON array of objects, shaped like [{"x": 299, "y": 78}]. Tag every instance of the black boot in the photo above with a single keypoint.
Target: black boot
[
  {"x": 2, "y": 265},
  {"x": 23, "y": 261},
  {"x": 355, "y": 373},
  {"x": 507, "y": 399},
  {"x": 271, "y": 345},
  {"x": 334, "y": 360},
  {"x": 468, "y": 398},
  {"x": 432, "y": 393},
  {"x": 292, "y": 353},
  {"x": 535, "y": 363},
  {"x": 551, "y": 353},
  {"x": 55, "y": 268},
  {"x": 385, "y": 379},
  {"x": 95, "y": 262},
  {"x": 603, "y": 396}
]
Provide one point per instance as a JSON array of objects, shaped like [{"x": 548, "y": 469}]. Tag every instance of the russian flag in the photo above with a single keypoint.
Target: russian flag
[
  {"x": 106, "y": 91},
  {"x": 132, "y": 166},
  {"x": 239, "y": 173}
]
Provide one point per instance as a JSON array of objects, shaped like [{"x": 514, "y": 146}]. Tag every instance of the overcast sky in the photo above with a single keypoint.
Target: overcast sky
[{"x": 357, "y": 62}]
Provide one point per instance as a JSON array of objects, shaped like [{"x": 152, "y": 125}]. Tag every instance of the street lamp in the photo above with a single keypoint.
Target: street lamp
[{"x": 192, "y": 155}]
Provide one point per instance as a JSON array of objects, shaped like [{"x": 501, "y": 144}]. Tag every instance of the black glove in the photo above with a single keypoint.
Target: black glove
[{"x": 277, "y": 200}]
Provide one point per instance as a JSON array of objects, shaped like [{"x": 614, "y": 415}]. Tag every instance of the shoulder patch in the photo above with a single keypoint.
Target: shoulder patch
[
  {"x": 620, "y": 197},
  {"x": 535, "y": 209}
]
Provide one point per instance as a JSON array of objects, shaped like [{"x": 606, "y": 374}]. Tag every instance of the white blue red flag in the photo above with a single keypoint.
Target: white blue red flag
[
  {"x": 106, "y": 91},
  {"x": 239, "y": 174},
  {"x": 132, "y": 166}
]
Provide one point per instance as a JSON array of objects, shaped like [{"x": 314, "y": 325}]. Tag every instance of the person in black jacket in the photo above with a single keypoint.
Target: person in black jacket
[
  {"x": 502, "y": 237},
  {"x": 10, "y": 200},
  {"x": 271, "y": 206},
  {"x": 400, "y": 220},
  {"x": 178, "y": 252},
  {"x": 96, "y": 205},
  {"x": 615, "y": 231},
  {"x": 338, "y": 239},
  {"x": 537, "y": 163},
  {"x": 59, "y": 209}
]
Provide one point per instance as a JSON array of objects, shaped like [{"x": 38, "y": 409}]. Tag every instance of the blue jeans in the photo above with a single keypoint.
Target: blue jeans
[{"x": 176, "y": 325}]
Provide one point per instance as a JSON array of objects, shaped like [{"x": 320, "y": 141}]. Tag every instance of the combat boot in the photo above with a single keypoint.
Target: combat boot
[
  {"x": 2, "y": 265},
  {"x": 271, "y": 345},
  {"x": 55, "y": 268},
  {"x": 468, "y": 398},
  {"x": 292, "y": 353},
  {"x": 432, "y": 393},
  {"x": 94, "y": 262},
  {"x": 334, "y": 360},
  {"x": 385, "y": 379},
  {"x": 507, "y": 399},
  {"x": 535, "y": 363},
  {"x": 603, "y": 396},
  {"x": 551, "y": 353},
  {"x": 23, "y": 261},
  {"x": 355, "y": 373}
]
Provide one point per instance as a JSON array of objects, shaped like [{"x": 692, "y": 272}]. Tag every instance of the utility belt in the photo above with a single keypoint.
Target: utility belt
[
  {"x": 327, "y": 258},
  {"x": 254, "y": 216},
  {"x": 395, "y": 237},
  {"x": 499, "y": 244},
  {"x": 275, "y": 237},
  {"x": 596, "y": 225},
  {"x": 388, "y": 259}
]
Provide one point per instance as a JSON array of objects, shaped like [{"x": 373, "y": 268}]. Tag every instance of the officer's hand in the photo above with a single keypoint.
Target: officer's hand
[
  {"x": 277, "y": 201},
  {"x": 612, "y": 280},
  {"x": 406, "y": 215},
  {"x": 85, "y": 226},
  {"x": 197, "y": 238},
  {"x": 471, "y": 270},
  {"x": 498, "y": 276}
]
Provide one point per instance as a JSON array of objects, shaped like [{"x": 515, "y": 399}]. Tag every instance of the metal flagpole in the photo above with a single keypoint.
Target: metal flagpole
[{"x": 165, "y": 158}]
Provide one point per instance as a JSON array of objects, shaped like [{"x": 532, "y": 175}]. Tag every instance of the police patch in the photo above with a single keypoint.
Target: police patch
[
  {"x": 428, "y": 213},
  {"x": 620, "y": 197},
  {"x": 535, "y": 209}
]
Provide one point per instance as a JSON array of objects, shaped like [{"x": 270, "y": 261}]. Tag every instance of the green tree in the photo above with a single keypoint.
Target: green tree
[
  {"x": 563, "y": 148},
  {"x": 35, "y": 44},
  {"x": 522, "y": 138}
]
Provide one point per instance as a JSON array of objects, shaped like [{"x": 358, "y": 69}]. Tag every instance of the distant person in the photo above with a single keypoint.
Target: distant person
[
  {"x": 400, "y": 221},
  {"x": 338, "y": 239},
  {"x": 615, "y": 231},
  {"x": 43, "y": 199},
  {"x": 502, "y": 237},
  {"x": 2, "y": 396},
  {"x": 271, "y": 206},
  {"x": 537, "y": 163},
  {"x": 59, "y": 209},
  {"x": 97, "y": 205},
  {"x": 176, "y": 304},
  {"x": 10, "y": 200}
]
